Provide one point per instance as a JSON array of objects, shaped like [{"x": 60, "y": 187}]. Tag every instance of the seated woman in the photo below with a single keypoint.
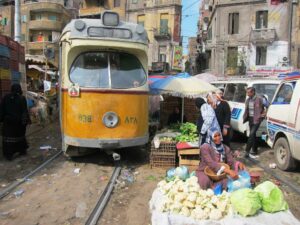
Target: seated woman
[{"x": 211, "y": 155}]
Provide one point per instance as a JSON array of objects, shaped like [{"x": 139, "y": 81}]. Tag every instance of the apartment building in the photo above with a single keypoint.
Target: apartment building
[
  {"x": 7, "y": 11},
  {"x": 161, "y": 19},
  {"x": 295, "y": 34},
  {"x": 247, "y": 35},
  {"x": 41, "y": 25},
  {"x": 193, "y": 52},
  {"x": 94, "y": 8}
]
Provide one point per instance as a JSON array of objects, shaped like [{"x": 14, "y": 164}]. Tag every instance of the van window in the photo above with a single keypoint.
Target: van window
[
  {"x": 235, "y": 92},
  {"x": 285, "y": 93},
  {"x": 265, "y": 89}
]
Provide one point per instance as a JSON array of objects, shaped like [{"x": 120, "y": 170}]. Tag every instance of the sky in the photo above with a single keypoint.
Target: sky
[{"x": 190, "y": 15}]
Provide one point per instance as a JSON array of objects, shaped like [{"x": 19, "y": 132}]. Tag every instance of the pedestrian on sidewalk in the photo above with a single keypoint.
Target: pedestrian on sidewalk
[
  {"x": 15, "y": 117},
  {"x": 223, "y": 114},
  {"x": 254, "y": 114}
]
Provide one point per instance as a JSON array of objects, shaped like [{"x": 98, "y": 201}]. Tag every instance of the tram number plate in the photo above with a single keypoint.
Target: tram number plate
[
  {"x": 131, "y": 120},
  {"x": 85, "y": 118}
]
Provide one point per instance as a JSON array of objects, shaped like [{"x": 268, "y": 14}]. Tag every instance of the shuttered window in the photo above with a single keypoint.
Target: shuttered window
[
  {"x": 261, "y": 19},
  {"x": 233, "y": 23}
]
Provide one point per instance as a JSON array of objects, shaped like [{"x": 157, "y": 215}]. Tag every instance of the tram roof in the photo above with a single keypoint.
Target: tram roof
[{"x": 95, "y": 29}]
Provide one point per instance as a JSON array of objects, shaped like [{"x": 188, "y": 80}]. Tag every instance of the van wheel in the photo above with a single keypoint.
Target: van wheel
[{"x": 283, "y": 156}]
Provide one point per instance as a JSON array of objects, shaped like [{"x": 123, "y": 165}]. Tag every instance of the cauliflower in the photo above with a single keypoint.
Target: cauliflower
[
  {"x": 192, "y": 197},
  {"x": 180, "y": 197},
  {"x": 188, "y": 204},
  {"x": 161, "y": 184},
  {"x": 214, "y": 200},
  {"x": 185, "y": 211},
  {"x": 215, "y": 214},
  {"x": 175, "y": 207}
]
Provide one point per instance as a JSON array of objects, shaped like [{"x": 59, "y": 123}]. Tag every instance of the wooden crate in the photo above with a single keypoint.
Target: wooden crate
[
  {"x": 164, "y": 156},
  {"x": 189, "y": 158}
]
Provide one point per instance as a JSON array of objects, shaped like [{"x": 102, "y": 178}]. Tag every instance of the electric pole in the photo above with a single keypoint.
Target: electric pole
[{"x": 17, "y": 21}]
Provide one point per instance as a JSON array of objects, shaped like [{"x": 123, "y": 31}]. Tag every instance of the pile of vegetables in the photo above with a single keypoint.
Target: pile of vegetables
[
  {"x": 188, "y": 133},
  {"x": 166, "y": 139},
  {"x": 187, "y": 199}
]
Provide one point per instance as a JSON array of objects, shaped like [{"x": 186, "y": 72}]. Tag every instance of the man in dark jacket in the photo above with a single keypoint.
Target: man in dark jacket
[
  {"x": 254, "y": 114},
  {"x": 223, "y": 114}
]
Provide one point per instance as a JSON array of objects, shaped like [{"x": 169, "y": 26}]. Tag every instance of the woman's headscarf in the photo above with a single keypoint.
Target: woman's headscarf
[
  {"x": 213, "y": 101},
  {"x": 16, "y": 89},
  {"x": 219, "y": 148},
  {"x": 199, "y": 102}
]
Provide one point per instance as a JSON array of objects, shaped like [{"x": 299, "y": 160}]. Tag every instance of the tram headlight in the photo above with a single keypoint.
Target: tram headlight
[
  {"x": 110, "y": 18},
  {"x": 110, "y": 119}
]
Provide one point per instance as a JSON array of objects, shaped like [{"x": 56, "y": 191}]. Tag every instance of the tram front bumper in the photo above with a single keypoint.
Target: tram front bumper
[{"x": 105, "y": 143}]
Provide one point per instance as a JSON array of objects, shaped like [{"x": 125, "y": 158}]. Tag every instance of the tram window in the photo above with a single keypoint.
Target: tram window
[
  {"x": 126, "y": 71},
  {"x": 90, "y": 70}
]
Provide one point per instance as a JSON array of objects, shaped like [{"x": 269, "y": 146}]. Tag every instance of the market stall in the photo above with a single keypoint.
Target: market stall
[{"x": 180, "y": 201}]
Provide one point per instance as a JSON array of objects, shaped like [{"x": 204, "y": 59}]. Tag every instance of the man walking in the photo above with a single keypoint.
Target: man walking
[{"x": 254, "y": 114}]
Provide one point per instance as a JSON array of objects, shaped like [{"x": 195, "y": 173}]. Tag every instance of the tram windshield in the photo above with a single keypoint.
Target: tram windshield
[{"x": 107, "y": 70}]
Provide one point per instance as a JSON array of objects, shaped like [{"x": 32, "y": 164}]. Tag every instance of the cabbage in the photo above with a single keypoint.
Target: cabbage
[
  {"x": 182, "y": 172},
  {"x": 271, "y": 197},
  {"x": 245, "y": 201}
]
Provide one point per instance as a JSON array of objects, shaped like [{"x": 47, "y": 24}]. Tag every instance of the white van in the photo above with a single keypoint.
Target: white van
[
  {"x": 283, "y": 124},
  {"x": 235, "y": 94}
]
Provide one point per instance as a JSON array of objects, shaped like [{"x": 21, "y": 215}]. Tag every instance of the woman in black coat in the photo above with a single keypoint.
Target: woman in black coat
[{"x": 15, "y": 117}]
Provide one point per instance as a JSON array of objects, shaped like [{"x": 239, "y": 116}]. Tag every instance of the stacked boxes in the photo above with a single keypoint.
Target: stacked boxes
[
  {"x": 164, "y": 156},
  {"x": 12, "y": 64}
]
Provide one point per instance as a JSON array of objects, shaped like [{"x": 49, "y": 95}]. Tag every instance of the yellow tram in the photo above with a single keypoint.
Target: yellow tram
[{"x": 103, "y": 86}]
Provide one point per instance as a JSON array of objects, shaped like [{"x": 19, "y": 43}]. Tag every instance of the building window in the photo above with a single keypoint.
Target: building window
[
  {"x": 233, "y": 23},
  {"x": 134, "y": 1},
  {"x": 162, "y": 54},
  {"x": 100, "y": 3},
  {"x": 52, "y": 17},
  {"x": 232, "y": 57},
  {"x": 261, "y": 55},
  {"x": 24, "y": 18},
  {"x": 4, "y": 21},
  {"x": 164, "y": 20},
  {"x": 298, "y": 58},
  {"x": 23, "y": 37},
  {"x": 261, "y": 19},
  {"x": 117, "y": 3},
  {"x": 141, "y": 20},
  {"x": 50, "y": 37}
]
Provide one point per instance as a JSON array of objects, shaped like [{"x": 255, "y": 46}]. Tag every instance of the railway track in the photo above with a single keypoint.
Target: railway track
[
  {"x": 15, "y": 184},
  {"x": 105, "y": 196}
]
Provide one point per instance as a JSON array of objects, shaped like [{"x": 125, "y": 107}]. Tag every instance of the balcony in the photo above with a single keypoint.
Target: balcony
[
  {"x": 150, "y": 4},
  {"x": 45, "y": 25},
  {"x": 262, "y": 36},
  {"x": 41, "y": 45},
  {"x": 44, "y": 6},
  {"x": 162, "y": 33},
  {"x": 90, "y": 11}
]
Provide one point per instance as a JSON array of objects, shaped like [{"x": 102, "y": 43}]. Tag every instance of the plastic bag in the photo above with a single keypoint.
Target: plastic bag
[
  {"x": 245, "y": 201},
  {"x": 271, "y": 197},
  {"x": 242, "y": 182}
]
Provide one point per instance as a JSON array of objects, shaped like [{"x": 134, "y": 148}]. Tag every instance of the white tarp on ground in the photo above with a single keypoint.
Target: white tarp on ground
[{"x": 262, "y": 218}]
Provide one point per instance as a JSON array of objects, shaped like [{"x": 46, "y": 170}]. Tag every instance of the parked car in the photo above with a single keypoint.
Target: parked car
[
  {"x": 283, "y": 124},
  {"x": 235, "y": 94}
]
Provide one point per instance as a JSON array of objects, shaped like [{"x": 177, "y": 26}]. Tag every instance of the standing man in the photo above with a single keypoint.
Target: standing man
[
  {"x": 254, "y": 114},
  {"x": 223, "y": 114}
]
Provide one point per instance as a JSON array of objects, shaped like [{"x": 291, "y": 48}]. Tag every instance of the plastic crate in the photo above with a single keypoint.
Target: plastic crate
[
  {"x": 4, "y": 62},
  {"x": 3, "y": 40},
  {"x": 13, "y": 44},
  {"x": 14, "y": 65},
  {"x": 5, "y": 85},
  {"x": 5, "y": 74},
  {"x": 14, "y": 55}
]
